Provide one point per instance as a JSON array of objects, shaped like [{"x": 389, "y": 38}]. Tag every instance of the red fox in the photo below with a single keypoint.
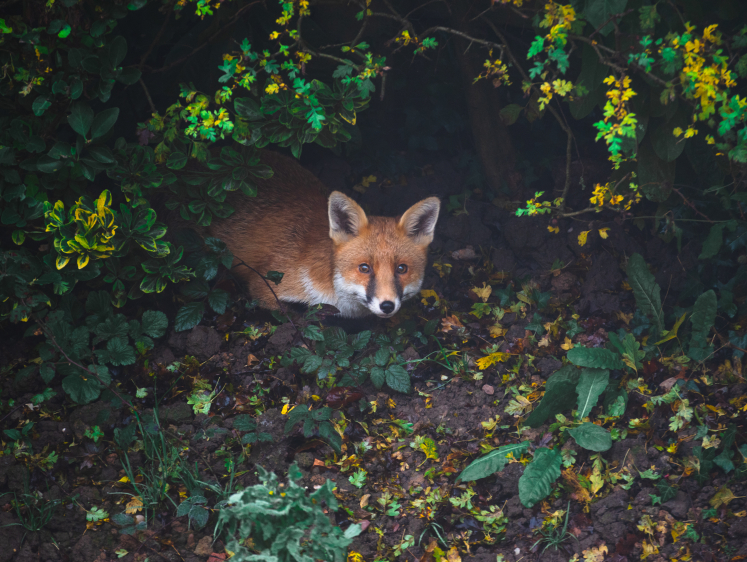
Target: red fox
[{"x": 329, "y": 251}]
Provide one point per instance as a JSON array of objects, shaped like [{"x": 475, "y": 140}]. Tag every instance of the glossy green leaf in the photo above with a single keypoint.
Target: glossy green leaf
[
  {"x": 539, "y": 475},
  {"x": 493, "y": 462}
]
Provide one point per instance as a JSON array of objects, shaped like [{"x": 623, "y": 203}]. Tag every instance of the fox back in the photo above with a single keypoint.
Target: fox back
[{"x": 329, "y": 251}]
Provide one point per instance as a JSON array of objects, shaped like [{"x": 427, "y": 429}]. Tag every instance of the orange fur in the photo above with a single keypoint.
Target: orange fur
[{"x": 320, "y": 244}]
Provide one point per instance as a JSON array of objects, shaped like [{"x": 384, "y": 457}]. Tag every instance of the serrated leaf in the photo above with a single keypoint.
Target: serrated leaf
[
  {"x": 188, "y": 316},
  {"x": 599, "y": 12},
  {"x": 592, "y": 437},
  {"x": 397, "y": 378},
  {"x": 378, "y": 378},
  {"x": 591, "y": 384},
  {"x": 117, "y": 352},
  {"x": 646, "y": 291},
  {"x": 313, "y": 332},
  {"x": 218, "y": 299},
  {"x": 539, "y": 475},
  {"x": 595, "y": 358},
  {"x": 560, "y": 394},
  {"x": 244, "y": 422},
  {"x": 82, "y": 387},
  {"x": 154, "y": 323},
  {"x": 493, "y": 462}
]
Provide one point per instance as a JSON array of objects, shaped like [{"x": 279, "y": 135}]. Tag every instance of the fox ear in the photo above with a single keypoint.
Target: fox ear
[
  {"x": 346, "y": 218},
  {"x": 419, "y": 221}
]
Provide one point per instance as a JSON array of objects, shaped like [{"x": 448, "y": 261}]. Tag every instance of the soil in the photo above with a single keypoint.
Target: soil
[{"x": 237, "y": 354}]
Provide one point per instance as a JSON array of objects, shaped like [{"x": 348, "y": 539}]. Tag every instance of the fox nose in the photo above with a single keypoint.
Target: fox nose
[{"x": 387, "y": 307}]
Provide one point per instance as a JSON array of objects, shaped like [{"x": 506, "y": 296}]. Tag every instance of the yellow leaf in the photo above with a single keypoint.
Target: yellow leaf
[
  {"x": 426, "y": 293},
  {"x": 368, "y": 180},
  {"x": 124, "y": 480},
  {"x": 596, "y": 482},
  {"x": 355, "y": 557},
  {"x": 671, "y": 334},
  {"x": 582, "y": 238},
  {"x": 567, "y": 344},
  {"x": 497, "y": 357},
  {"x": 553, "y": 229},
  {"x": 624, "y": 317},
  {"x": 134, "y": 505},
  {"x": 722, "y": 497},
  {"x": 497, "y": 330},
  {"x": 595, "y": 554},
  {"x": 364, "y": 500},
  {"x": 287, "y": 408},
  {"x": 677, "y": 131},
  {"x": 648, "y": 549},
  {"x": 483, "y": 292},
  {"x": 428, "y": 446},
  {"x": 453, "y": 555}
]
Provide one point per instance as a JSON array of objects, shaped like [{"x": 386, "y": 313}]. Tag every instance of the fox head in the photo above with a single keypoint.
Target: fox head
[{"x": 379, "y": 261}]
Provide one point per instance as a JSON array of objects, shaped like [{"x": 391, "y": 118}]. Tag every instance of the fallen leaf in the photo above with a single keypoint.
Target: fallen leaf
[
  {"x": 567, "y": 344},
  {"x": 453, "y": 555},
  {"x": 497, "y": 330},
  {"x": 668, "y": 384},
  {"x": 450, "y": 322},
  {"x": 251, "y": 360},
  {"x": 483, "y": 292},
  {"x": 364, "y": 500},
  {"x": 134, "y": 505},
  {"x": 722, "y": 497}
]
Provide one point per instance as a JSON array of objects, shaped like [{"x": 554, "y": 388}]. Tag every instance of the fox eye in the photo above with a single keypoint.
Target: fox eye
[
  {"x": 401, "y": 268},
  {"x": 364, "y": 268}
]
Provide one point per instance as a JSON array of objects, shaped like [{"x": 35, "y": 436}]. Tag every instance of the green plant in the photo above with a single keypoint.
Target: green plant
[
  {"x": 315, "y": 421},
  {"x": 283, "y": 522},
  {"x": 246, "y": 424},
  {"x": 555, "y": 536}
]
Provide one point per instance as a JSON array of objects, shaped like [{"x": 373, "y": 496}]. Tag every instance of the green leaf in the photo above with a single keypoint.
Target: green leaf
[
  {"x": 666, "y": 145},
  {"x": 591, "y": 384},
  {"x": 510, "y": 113},
  {"x": 703, "y": 318},
  {"x": 646, "y": 291},
  {"x": 154, "y": 323},
  {"x": 188, "y": 316},
  {"x": 655, "y": 176},
  {"x": 176, "y": 160},
  {"x": 327, "y": 431},
  {"x": 592, "y": 437},
  {"x": 378, "y": 377},
  {"x": 560, "y": 395},
  {"x": 244, "y": 422},
  {"x": 248, "y": 109},
  {"x": 117, "y": 352},
  {"x": 594, "y": 357},
  {"x": 313, "y": 333},
  {"x": 103, "y": 122},
  {"x": 534, "y": 484},
  {"x": 117, "y": 50},
  {"x": 113, "y": 326},
  {"x": 713, "y": 242},
  {"x": 81, "y": 118},
  {"x": 40, "y": 105},
  {"x": 82, "y": 387},
  {"x": 599, "y": 12},
  {"x": 493, "y": 462},
  {"x": 397, "y": 378},
  {"x": 219, "y": 300},
  {"x": 615, "y": 399}
]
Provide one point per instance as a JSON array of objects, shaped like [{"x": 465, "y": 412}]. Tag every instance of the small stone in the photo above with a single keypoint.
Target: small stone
[
  {"x": 204, "y": 546},
  {"x": 487, "y": 389}
]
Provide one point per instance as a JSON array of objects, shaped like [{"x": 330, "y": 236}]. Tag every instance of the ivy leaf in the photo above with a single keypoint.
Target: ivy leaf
[
  {"x": 493, "y": 462},
  {"x": 534, "y": 484}
]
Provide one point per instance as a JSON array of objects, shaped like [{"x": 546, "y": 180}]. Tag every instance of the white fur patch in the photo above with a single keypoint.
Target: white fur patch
[
  {"x": 313, "y": 294},
  {"x": 375, "y": 307},
  {"x": 412, "y": 289},
  {"x": 350, "y": 298}
]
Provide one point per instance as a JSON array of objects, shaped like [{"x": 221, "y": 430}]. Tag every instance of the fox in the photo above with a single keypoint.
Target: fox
[{"x": 328, "y": 249}]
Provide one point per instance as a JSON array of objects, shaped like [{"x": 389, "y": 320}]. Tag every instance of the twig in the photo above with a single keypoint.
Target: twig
[
  {"x": 222, "y": 29},
  {"x": 280, "y": 305},
  {"x": 147, "y": 96},
  {"x": 690, "y": 204},
  {"x": 158, "y": 36},
  {"x": 612, "y": 17}
]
